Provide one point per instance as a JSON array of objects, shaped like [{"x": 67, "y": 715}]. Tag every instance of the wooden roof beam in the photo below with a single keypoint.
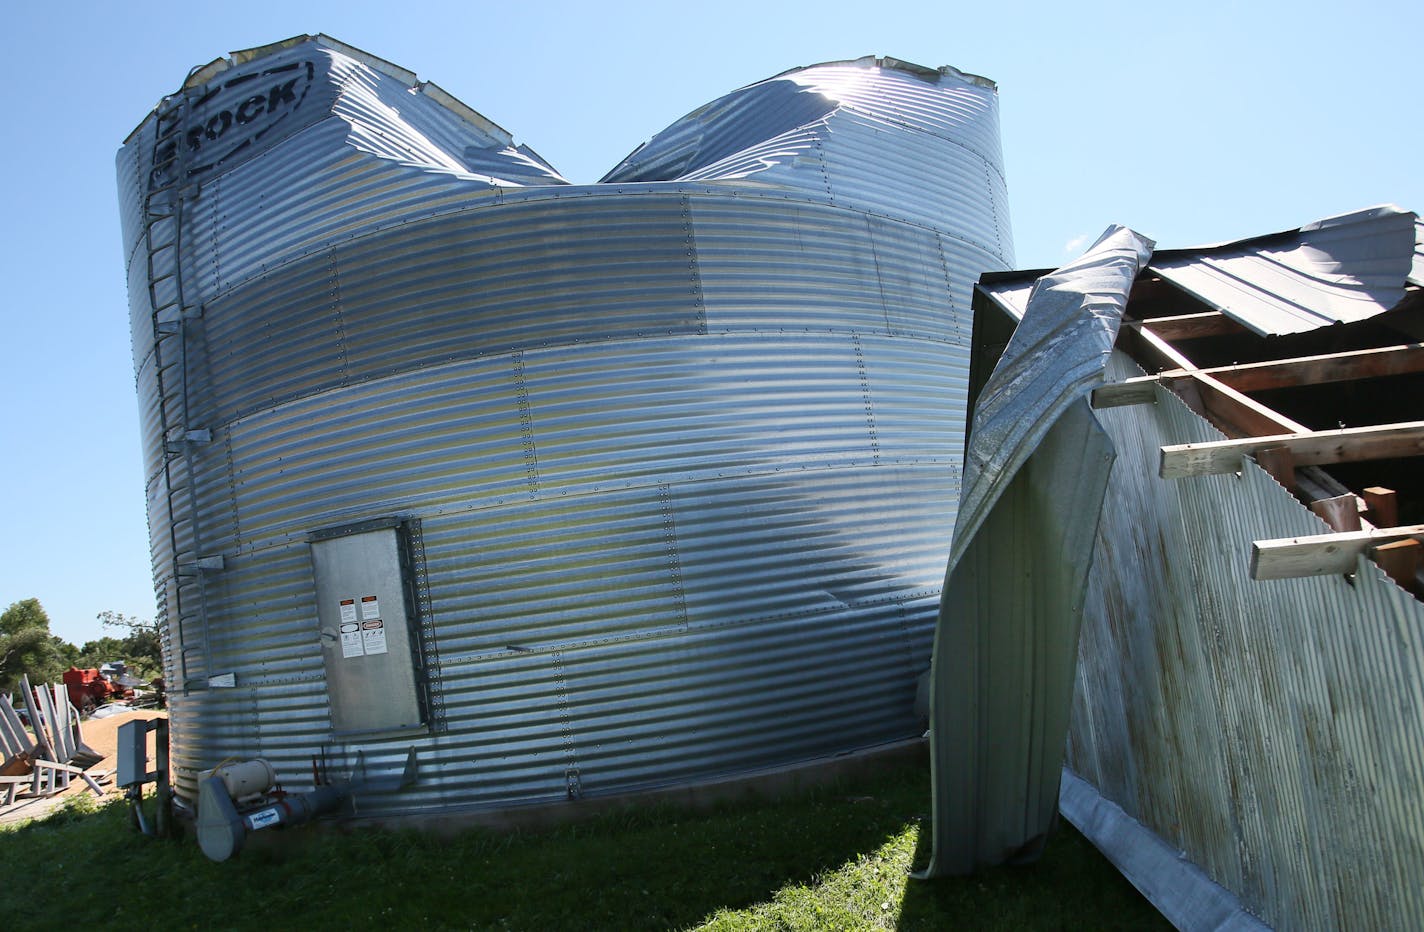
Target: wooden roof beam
[
  {"x": 1189, "y": 326},
  {"x": 1404, "y": 359},
  {"x": 1308, "y": 448},
  {"x": 1322, "y": 554},
  {"x": 1237, "y": 414},
  {"x": 1232, "y": 412},
  {"x": 1150, "y": 351},
  {"x": 1313, "y": 370}
]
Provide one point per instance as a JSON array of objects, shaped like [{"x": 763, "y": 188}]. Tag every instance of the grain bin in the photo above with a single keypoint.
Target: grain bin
[{"x": 576, "y": 490}]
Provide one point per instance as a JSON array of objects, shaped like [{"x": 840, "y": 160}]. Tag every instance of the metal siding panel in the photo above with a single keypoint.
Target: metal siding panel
[
  {"x": 1271, "y": 730},
  {"x": 957, "y": 107},
  {"x": 544, "y": 573},
  {"x": 435, "y": 437},
  {"x": 785, "y": 264},
  {"x": 534, "y": 273},
  {"x": 326, "y": 194},
  {"x": 912, "y": 179},
  {"x": 631, "y": 412},
  {"x": 917, "y": 392},
  {"x": 468, "y": 284},
  {"x": 265, "y": 629},
  {"x": 300, "y": 353},
  {"x": 814, "y": 540}
]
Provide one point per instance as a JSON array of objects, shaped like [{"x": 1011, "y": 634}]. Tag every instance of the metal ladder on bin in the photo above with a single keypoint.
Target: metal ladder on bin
[{"x": 167, "y": 188}]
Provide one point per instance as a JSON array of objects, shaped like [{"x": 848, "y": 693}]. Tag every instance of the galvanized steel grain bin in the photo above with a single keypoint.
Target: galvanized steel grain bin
[{"x": 574, "y": 489}]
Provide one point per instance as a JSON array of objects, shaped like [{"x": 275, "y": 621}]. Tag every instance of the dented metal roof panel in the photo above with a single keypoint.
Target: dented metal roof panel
[{"x": 1336, "y": 270}]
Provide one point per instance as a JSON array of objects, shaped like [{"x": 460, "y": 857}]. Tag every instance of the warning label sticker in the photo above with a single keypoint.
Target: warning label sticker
[
  {"x": 348, "y": 610},
  {"x": 370, "y": 607},
  {"x": 373, "y": 635},
  {"x": 351, "y": 639}
]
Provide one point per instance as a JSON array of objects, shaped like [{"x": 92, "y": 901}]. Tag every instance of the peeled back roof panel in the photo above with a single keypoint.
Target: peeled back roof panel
[
  {"x": 1336, "y": 270},
  {"x": 1416, "y": 275}
]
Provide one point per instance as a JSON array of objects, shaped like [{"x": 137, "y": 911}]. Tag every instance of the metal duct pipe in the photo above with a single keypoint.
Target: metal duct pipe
[{"x": 222, "y": 829}]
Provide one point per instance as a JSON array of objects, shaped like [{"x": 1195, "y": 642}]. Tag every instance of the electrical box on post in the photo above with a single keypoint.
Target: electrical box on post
[{"x": 365, "y": 612}]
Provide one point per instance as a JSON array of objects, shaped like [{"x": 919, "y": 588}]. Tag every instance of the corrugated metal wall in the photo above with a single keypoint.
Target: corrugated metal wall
[
  {"x": 681, "y": 456},
  {"x": 1273, "y": 731}
]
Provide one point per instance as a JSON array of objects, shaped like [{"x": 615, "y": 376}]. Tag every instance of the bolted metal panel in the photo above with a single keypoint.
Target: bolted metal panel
[{"x": 682, "y": 452}]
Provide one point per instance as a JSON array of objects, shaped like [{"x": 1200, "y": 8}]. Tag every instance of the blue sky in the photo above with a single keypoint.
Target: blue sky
[{"x": 1191, "y": 123}]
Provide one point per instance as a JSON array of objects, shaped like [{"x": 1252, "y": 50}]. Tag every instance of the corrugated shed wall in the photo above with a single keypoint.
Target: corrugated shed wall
[
  {"x": 678, "y": 456},
  {"x": 1273, "y": 731}
]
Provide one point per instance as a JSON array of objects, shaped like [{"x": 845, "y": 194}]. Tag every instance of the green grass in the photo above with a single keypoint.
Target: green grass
[{"x": 834, "y": 858}]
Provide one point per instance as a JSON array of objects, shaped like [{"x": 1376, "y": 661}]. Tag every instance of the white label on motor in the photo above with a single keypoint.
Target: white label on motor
[
  {"x": 263, "y": 818},
  {"x": 370, "y": 607},
  {"x": 348, "y": 610},
  {"x": 374, "y": 634},
  {"x": 351, "y": 640}
]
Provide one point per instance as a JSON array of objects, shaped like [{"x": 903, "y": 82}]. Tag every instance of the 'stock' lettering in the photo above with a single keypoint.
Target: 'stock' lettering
[{"x": 247, "y": 114}]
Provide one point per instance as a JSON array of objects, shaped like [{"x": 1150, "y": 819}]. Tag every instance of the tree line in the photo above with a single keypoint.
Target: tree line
[{"x": 28, "y": 647}]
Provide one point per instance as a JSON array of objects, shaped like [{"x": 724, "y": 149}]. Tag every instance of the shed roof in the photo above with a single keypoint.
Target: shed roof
[{"x": 1337, "y": 270}]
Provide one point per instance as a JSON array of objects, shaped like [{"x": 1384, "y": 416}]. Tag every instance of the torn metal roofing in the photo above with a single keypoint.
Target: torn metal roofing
[
  {"x": 1336, "y": 270},
  {"x": 1074, "y": 324},
  {"x": 1035, "y": 473}
]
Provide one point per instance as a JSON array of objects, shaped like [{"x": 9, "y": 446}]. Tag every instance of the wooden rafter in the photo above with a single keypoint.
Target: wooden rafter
[
  {"x": 1277, "y": 373},
  {"x": 1313, "y": 370},
  {"x": 1321, "y": 554},
  {"x": 1189, "y": 326},
  {"x": 1309, "y": 448},
  {"x": 1236, "y": 414},
  {"x": 1288, "y": 450}
]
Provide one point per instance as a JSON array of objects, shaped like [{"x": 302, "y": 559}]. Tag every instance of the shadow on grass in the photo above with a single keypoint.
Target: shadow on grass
[
  {"x": 657, "y": 868},
  {"x": 645, "y": 868},
  {"x": 1072, "y": 886},
  {"x": 652, "y": 867},
  {"x": 50, "y": 815}
]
